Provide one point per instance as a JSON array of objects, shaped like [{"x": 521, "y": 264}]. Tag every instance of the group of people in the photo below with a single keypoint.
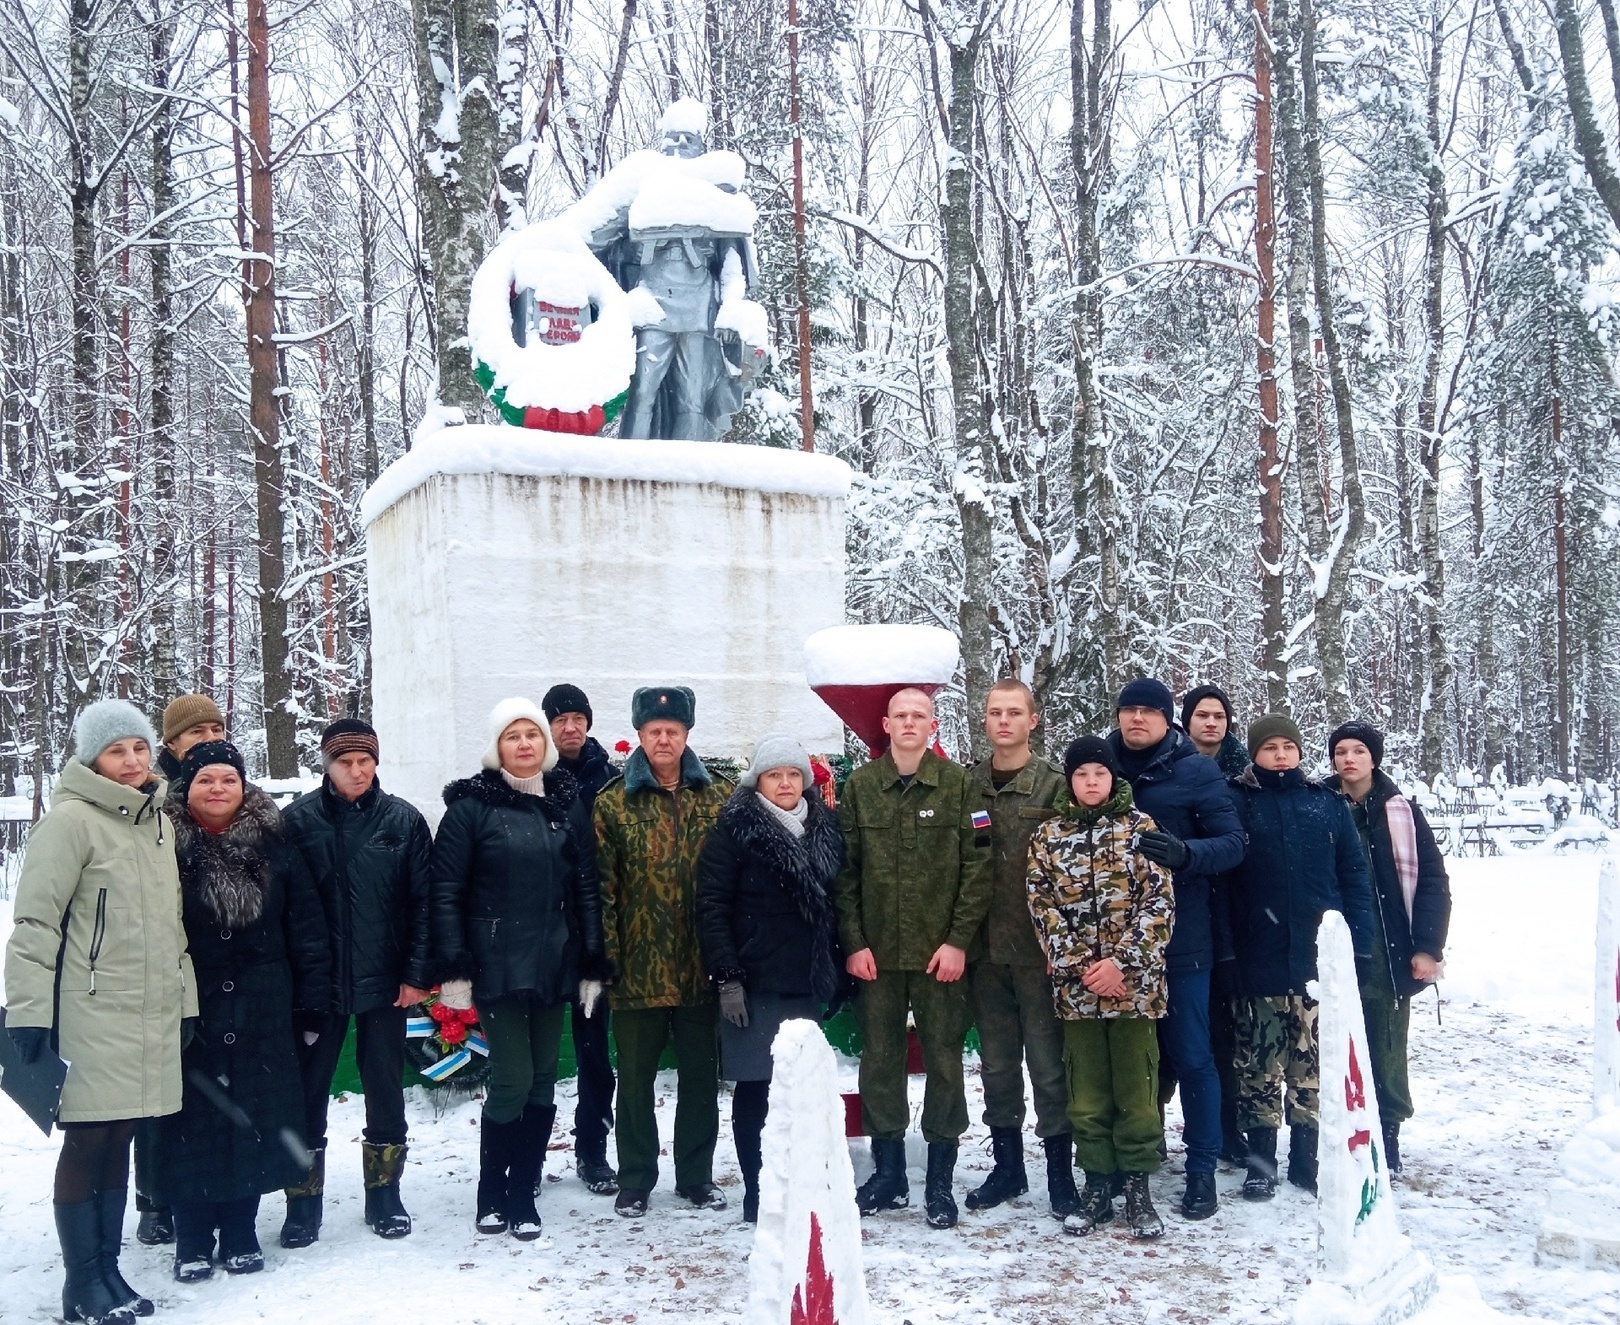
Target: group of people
[{"x": 1139, "y": 920}]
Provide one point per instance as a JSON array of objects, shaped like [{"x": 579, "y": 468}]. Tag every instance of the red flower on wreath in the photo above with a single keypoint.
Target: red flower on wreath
[
  {"x": 452, "y": 1032},
  {"x": 468, "y": 1016},
  {"x": 621, "y": 747},
  {"x": 442, "y": 1014}
]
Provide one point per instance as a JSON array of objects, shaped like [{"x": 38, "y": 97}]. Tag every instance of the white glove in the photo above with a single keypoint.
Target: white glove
[
  {"x": 456, "y": 994},
  {"x": 590, "y": 994},
  {"x": 310, "y": 1037}
]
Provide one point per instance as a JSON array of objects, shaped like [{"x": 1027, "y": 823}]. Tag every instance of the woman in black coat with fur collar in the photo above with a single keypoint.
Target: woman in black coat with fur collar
[
  {"x": 517, "y": 927},
  {"x": 767, "y": 928},
  {"x": 258, "y": 941}
]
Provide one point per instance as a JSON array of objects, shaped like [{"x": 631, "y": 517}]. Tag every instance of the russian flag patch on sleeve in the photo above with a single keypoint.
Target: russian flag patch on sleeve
[{"x": 981, "y": 821}]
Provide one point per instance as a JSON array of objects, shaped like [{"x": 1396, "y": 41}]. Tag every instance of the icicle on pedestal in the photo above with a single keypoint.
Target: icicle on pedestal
[
  {"x": 856, "y": 670},
  {"x": 1582, "y": 1223},
  {"x": 806, "y": 1264},
  {"x": 1370, "y": 1273}
]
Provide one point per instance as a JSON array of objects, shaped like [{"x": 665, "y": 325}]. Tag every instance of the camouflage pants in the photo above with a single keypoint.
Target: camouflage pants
[{"x": 1276, "y": 1043}]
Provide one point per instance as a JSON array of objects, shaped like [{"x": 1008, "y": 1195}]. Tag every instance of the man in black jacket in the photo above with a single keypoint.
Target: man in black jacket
[
  {"x": 1199, "y": 837},
  {"x": 1411, "y": 913},
  {"x": 367, "y": 852},
  {"x": 581, "y": 754}
]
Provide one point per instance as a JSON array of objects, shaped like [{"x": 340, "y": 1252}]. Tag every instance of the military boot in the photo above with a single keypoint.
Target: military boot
[
  {"x": 1302, "y": 1156},
  {"x": 938, "y": 1201},
  {"x": 1060, "y": 1189},
  {"x": 1007, "y": 1177},
  {"x": 1261, "y": 1182},
  {"x": 887, "y": 1188},
  {"x": 1139, "y": 1212},
  {"x": 381, "y": 1166},
  {"x": 1392, "y": 1149},
  {"x": 303, "y": 1223},
  {"x": 1096, "y": 1206}
]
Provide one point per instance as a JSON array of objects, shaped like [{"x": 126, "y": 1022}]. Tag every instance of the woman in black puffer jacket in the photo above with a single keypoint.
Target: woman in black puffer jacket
[
  {"x": 259, "y": 945},
  {"x": 767, "y": 928},
  {"x": 517, "y": 926}
]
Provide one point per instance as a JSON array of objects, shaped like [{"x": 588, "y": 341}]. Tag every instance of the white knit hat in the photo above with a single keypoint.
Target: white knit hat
[
  {"x": 106, "y": 721},
  {"x": 503, "y": 715},
  {"x": 777, "y": 750}
]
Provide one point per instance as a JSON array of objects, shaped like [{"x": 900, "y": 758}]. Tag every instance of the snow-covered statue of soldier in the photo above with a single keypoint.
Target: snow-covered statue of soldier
[{"x": 680, "y": 241}]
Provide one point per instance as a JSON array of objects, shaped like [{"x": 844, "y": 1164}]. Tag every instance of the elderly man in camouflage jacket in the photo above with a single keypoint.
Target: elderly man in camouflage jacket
[
  {"x": 1104, "y": 913},
  {"x": 1011, "y": 991},
  {"x": 911, "y": 897},
  {"x": 650, "y": 827}
]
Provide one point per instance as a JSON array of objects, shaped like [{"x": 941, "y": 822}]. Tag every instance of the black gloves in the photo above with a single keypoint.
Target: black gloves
[
  {"x": 30, "y": 1040},
  {"x": 189, "y": 1026},
  {"x": 734, "y": 1003},
  {"x": 308, "y": 1023},
  {"x": 1163, "y": 849}
]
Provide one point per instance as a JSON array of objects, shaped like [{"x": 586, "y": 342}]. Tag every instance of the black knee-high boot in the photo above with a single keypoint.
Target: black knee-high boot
[{"x": 749, "y": 1106}]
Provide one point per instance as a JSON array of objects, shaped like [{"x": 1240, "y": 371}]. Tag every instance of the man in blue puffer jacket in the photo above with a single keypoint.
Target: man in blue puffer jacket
[
  {"x": 1199, "y": 837},
  {"x": 1304, "y": 859}
]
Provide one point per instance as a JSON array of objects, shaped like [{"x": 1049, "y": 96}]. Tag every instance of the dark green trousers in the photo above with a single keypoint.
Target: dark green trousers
[
  {"x": 1012, "y": 1007},
  {"x": 940, "y": 1011},
  {"x": 524, "y": 1041},
  {"x": 1113, "y": 1070},
  {"x": 1389, "y": 1019},
  {"x": 640, "y": 1034}
]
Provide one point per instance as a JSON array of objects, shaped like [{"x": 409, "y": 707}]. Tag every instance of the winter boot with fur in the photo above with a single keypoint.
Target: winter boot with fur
[
  {"x": 303, "y": 1223},
  {"x": 887, "y": 1188},
  {"x": 381, "y": 1166},
  {"x": 938, "y": 1201},
  {"x": 1392, "y": 1149},
  {"x": 1060, "y": 1189},
  {"x": 530, "y": 1139},
  {"x": 86, "y": 1294},
  {"x": 1096, "y": 1206},
  {"x": 1007, "y": 1177},
  {"x": 1302, "y": 1156},
  {"x": 113, "y": 1202},
  {"x": 495, "y": 1142},
  {"x": 1261, "y": 1182},
  {"x": 1139, "y": 1212}
]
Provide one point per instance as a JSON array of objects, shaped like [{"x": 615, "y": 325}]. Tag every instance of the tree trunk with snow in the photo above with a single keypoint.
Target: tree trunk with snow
[
  {"x": 165, "y": 679},
  {"x": 1437, "y": 688},
  {"x": 963, "y": 35},
  {"x": 458, "y": 43},
  {"x": 1589, "y": 135},
  {"x": 1096, "y": 502},
  {"x": 264, "y": 407},
  {"x": 1273, "y": 624}
]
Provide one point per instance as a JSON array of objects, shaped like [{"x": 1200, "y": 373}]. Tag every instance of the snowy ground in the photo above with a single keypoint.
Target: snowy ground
[{"x": 1501, "y": 1084}]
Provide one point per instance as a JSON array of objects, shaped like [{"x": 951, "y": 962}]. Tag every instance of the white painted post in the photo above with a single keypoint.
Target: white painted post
[
  {"x": 1582, "y": 1223},
  {"x": 806, "y": 1262},
  {"x": 1370, "y": 1270}
]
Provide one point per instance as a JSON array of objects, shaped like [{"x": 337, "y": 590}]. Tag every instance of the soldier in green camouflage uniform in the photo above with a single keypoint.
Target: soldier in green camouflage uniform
[
  {"x": 651, "y": 824},
  {"x": 1104, "y": 912},
  {"x": 911, "y": 897},
  {"x": 1011, "y": 991}
]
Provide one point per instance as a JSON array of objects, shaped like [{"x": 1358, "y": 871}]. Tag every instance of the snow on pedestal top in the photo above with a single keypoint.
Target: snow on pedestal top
[
  {"x": 497, "y": 449},
  {"x": 880, "y": 655}
]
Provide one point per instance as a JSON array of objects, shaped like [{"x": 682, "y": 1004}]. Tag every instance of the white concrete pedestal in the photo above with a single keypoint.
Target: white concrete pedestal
[{"x": 502, "y": 561}]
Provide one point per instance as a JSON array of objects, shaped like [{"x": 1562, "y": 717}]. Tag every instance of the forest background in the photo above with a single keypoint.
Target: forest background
[{"x": 1266, "y": 345}]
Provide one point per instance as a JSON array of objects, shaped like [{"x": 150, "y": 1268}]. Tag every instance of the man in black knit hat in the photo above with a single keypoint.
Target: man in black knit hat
[
  {"x": 568, "y": 710},
  {"x": 367, "y": 853}
]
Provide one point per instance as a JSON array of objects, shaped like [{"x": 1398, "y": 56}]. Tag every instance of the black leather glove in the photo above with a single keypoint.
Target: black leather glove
[
  {"x": 189, "y": 1026},
  {"x": 734, "y": 1003},
  {"x": 1163, "y": 849},
  {"x": 30, "y": 1040}
]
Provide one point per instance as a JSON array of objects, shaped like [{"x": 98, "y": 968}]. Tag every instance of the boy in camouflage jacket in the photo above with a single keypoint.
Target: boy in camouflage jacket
[{"x": 1103, "y": 912}]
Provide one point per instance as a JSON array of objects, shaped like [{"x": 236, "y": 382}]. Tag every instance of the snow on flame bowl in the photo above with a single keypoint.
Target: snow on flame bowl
[
  {"x": 856, "y": 670},
  {"x": 551, "y": 334}
]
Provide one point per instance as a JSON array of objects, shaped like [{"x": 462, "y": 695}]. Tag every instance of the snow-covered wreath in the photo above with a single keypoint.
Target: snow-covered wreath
[{"x": 572, "y": 371}]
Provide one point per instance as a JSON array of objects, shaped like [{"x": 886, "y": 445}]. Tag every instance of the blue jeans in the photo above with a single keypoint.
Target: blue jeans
[{"x": 1186, "y": 1041}]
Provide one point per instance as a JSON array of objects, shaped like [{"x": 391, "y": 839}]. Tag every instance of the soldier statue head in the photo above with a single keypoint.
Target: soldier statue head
[{"x": 682, "y": 128}]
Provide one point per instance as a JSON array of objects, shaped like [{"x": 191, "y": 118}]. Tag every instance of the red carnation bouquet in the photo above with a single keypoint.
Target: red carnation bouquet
[{"x": 443, "y": 1043}]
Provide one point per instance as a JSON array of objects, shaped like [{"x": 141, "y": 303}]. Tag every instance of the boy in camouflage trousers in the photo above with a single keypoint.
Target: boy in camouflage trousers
[{"x": 1104, "y": 912}]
